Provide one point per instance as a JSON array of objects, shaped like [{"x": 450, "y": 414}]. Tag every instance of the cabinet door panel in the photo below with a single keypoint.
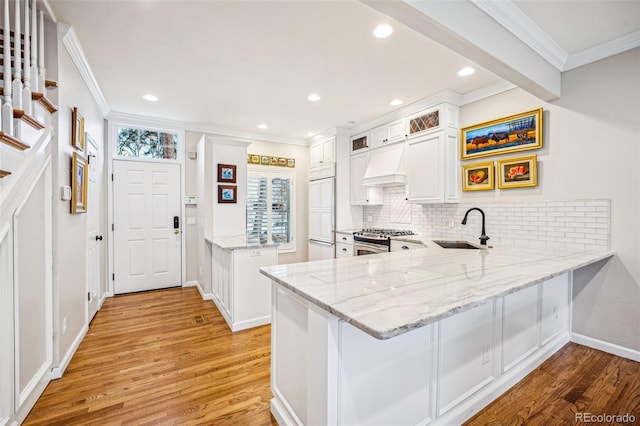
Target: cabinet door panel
[
  {"x": 359, "y": 164},
  {"x": 555, "y": 307},
  {"x": 519, "y": 326},
  {"x": 425, "y": 169},
  {"x": 316, "y": 154}
]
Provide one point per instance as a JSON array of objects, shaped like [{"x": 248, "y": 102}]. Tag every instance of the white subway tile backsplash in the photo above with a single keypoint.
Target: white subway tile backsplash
[{"x": 578, "y": 224}]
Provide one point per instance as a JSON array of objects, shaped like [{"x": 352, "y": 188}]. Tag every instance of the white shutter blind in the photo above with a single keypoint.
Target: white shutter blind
[
  {"x": 280, "y": 210},
  {"x": 257, "y": 212}
]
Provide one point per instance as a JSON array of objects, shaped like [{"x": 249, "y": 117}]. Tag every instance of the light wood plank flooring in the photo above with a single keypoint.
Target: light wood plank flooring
[
  {"x": 162, "y": 357},
  {"x": 168, "y": 358}
]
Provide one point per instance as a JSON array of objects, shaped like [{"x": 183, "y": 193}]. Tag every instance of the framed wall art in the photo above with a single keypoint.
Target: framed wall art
[
  {"x": 520, "y": 172},
  {"x": 478, "y": 176},
  {"x": 77, "y": 130},
  {"x": 79, "y": 177},
  {"x": 519, "y": 132},
  {"x": 227, "y": 194},
  {"x": 226, "y": 173}
]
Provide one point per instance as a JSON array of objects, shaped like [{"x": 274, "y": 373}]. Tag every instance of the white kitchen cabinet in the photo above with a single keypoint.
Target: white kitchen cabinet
[
  {"x": 519, "y": 326},
  {"x": 344, "y": 244},
  {"x": 466, "y": 355},
  {"x": 432, "y": 168},
  {"x": 387, "y": 133},
  {"x": 321, "y": 210},
  {"x": 323, "y": 151},
  {"x": 361, "y": 194},
  {"x": 555, "y": 307},
  {"x": 425, "y": 121},
  {"x": 397, "y": 245},
  {"x": 241, "y": 293}
]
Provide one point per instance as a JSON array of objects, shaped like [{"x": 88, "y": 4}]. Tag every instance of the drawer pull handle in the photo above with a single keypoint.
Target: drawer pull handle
[
  {"x": 405, "y": 248},
  {"x": 344, "y": 249}
]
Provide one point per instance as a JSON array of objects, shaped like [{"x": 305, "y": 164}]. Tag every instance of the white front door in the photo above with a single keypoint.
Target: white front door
[
  {"x": 94, "y": 242},
  {"x": 147, "y": 238}
]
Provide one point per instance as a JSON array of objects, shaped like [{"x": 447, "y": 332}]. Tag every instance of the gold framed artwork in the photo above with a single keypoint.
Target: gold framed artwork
[
  {"x": 518, "y": 132},
  {"x": 77, "y": 130},
  {"x": 79, "y": 184},
  {"x": 478, "y": 176},
  {"x": 519, "y": 172},
  {"x": 270, "y": 160}
]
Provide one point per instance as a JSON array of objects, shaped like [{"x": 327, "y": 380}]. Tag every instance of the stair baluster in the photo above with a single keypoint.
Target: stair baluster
[
  {"x": 41, "y": 70},
  {"x": 7, "y": 107},
  {"x": 34, "y": 47},
  {"x": 26, "y": 90},
  {"x": 17, "y": 60}
]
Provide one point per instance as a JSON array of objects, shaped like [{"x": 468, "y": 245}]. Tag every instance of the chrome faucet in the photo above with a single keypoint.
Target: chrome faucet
[{"x": 483, "y": 236}]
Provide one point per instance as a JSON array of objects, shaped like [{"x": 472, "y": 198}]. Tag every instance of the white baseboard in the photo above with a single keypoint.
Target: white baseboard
[
  {"x": 603, "y": 346},
  {"x": 196, "y": 284},
  {"x": 255, "y": 322},
  {"x": 191, "y": 284},
  {"x": 58, "y": 371}
]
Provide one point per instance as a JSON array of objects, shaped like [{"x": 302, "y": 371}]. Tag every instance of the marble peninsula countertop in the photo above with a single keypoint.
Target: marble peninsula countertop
[
  {"x": 388, "y": 294},
  {"x": 236, "y": 242}
]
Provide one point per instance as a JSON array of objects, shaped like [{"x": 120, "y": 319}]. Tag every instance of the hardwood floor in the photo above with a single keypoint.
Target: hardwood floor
[
  {"x": 576, "y": 380},
  {"x": 168, "y": 358},
  {"x": 162, "y": 357}
]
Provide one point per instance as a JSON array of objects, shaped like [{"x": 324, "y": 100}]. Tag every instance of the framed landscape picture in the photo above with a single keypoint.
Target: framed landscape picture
[
  {"x": 519, "y": 132},
  {"x": 226, "y": 173},
  {"x": 77, "y": 130},
  {"x": 478, "y": 176},
  {"x": 520, "y": 172},
  {"x": 79, "y": 176},
  {"x": 226, "y": 194}
]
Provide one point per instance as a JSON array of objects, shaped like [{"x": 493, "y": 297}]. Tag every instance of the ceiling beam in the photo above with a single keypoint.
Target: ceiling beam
[{"x": 469, "y": 31}]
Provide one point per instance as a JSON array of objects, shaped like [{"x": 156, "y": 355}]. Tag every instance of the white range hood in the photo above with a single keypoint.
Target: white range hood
[{"x": 386, "y": 167}]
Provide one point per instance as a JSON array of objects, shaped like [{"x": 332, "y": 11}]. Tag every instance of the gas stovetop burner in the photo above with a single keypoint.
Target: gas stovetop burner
[{"x": 383, "y": 232}]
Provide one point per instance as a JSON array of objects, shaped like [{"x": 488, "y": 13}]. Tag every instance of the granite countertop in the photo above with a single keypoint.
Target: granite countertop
[
  {"x": 236, "y": 242},
  {"x": 388, "y": 294}
]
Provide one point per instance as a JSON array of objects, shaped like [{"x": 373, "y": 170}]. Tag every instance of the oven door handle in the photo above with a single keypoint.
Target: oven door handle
[{"x": 373, "y": 247}]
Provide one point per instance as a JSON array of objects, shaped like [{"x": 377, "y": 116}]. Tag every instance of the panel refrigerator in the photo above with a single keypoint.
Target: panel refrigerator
[{"x": 322, "y": 215}]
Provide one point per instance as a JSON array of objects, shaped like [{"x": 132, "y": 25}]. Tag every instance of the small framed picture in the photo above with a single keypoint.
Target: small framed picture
[
  {"x": 478, "y": 176},
  {"x": 264, "y": 160},
  {"x": 227, "y": 194},
  {"x": 520, "y": 172},
  {"x": 282, "y": 162},
  {"x": 291, "y": 162},
  {"x": 79, "y": 176},
  {"x": 77, "y": 130},
  {"x": 226, "y": 173},
  {"x": 254, "y": 159},
  {"x": 273, "y": 161}
]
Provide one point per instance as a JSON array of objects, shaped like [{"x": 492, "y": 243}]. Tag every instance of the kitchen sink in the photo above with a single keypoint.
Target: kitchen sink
[{"x": 455, "y": 245}]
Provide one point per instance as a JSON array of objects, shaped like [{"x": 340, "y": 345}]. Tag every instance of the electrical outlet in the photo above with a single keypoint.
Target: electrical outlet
[
  {"x": 369, "y": 218},
  {"x": 485, "y": 353},
  {"x": 555, "y": 312},
  {"x": 451, "y": 223},
  {"x": 191, "y": 220},
  {"x": 64, "y": 325}
]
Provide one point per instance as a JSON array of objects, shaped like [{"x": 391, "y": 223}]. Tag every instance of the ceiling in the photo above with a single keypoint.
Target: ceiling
[{"x": 236, "y": 64}]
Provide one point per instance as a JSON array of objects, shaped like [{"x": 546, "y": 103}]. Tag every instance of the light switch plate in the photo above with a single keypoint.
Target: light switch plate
[{"x": 65, "y": 193}]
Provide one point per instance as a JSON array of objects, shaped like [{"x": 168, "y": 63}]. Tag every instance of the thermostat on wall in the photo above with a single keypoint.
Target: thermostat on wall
[
  {"x": 191, "y": 199},
  {"x": 65, "y": 193}
]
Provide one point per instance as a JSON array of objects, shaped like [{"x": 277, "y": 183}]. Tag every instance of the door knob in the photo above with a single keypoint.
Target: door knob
[{"x": 98, "y": 237}]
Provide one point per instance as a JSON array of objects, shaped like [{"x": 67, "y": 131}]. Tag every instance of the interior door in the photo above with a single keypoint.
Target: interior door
[
  {"x": 147, "y": 237},
  {"x": 94, "y": 242}
]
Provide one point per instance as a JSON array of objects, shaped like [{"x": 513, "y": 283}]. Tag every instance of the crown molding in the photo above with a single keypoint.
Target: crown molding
[
  {"x": 512, "y": 18},
  {"x": 604, "y": 50},
  {"x": 72, "y": 45},
  {"x": 47, "y": 7},
  {"x": 141, "y": 120}
]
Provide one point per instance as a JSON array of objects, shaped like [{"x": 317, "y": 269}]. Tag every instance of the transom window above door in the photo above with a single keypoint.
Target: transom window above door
[{"x": 146, "y": 143}]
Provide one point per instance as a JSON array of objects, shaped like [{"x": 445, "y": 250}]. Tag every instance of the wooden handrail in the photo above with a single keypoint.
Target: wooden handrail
[
  {"x": 40, "y": 97},
  {"x": 21, "y": 115}
]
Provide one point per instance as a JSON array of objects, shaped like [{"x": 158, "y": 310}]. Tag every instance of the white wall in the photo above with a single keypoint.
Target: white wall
[
  {"x": 70, "y": 231},
  {"x": 591, "y": 152}
]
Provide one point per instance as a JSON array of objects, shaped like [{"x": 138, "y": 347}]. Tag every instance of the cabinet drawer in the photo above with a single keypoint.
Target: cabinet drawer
[
  {"x": 344, "y": 238},
  {"x": 344, "y": 250}
]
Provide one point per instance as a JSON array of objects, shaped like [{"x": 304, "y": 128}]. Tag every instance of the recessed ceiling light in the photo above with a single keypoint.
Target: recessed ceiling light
[
  {"x": 396, "y": 102},
  {"x": 150, "y": 98},
  {"x": 382, "y": 31},
  {"x": 314, "y": 97},
  {"x": 466, "y": 71},
  {"x": 262, "y": 126},
  {"x": 309, "y": 134}
]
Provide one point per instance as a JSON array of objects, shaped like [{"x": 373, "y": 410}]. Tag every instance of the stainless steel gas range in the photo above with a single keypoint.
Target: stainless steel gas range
[{"x": 375, "y": 240}]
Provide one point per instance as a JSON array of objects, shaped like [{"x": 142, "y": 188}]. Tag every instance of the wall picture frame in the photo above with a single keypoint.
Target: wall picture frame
[
  {"x": 227, "y": 173},
  {"x": 79, "y": 184},
  {"x": 77, "y": 130},
  {"x": 227, "y": 194},
  {"x": 518, "y": 172},
  {"x": 514, "y": 133},
  {"x": 478, "y": 176}
]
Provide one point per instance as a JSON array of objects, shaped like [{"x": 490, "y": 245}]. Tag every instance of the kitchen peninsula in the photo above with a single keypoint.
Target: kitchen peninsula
[{"x": 428, "y": 336}]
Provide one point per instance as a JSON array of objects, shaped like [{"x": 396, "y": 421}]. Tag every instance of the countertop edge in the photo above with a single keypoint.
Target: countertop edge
[{"x": 387, "y": 334}]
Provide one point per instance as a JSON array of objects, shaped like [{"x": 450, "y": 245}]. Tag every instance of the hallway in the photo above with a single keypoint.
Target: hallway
[{"x": 162, "y": 357}]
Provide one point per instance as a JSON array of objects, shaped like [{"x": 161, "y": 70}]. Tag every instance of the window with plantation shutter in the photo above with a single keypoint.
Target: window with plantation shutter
[{"x": 271, "y": 207}]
